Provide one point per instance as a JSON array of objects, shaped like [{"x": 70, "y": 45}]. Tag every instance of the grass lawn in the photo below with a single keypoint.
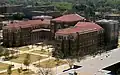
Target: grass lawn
[
  {"x": 23, "y": 48},
  {"x": 50, "y": 63},
  {"x": 15, "y": 72},
  {"x": 3, "y": 66},
  {"x": 41, "y": 52},
  {"x": 21, "y": 58}
]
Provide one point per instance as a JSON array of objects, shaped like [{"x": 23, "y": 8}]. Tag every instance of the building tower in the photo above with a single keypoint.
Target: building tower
[{"x": 111, "y": 28}]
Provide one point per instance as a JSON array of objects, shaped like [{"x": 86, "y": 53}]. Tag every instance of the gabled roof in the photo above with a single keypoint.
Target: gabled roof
[
  {"x": 89, "y": 25},
  {"x": 80, "y": 27},
  {"x": 69, "y": 18},
  {"x": 29, "y": 23}
]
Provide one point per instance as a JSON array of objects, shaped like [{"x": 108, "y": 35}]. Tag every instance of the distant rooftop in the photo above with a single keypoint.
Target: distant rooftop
[
  {"x": 2, "y": 16},
  {"x": 107, "y": 21},
  {"x": 49, "y": 11},
  {"x": 7, "y": 5},
  {"x": 69, "y": 18},
  {"x": 112, "y": 14},
  {"x": 42, "y": 17}
]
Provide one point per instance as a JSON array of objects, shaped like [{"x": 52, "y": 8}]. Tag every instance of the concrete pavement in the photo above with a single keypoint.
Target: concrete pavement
[{"x": 95, "y": 65}]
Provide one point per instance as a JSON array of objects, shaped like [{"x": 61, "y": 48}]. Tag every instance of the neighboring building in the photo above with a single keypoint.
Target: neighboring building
[
  {"x": 112, "y": 17},
  {"x": 39, "y": 8},
  {"x": 83, "y": 38},
  {"x": 49, "y": 10},
  {"x": 10, "y": 8},
  {"x": 26, "y": 32},
  {"x": 3, "y": 18},
  {"x": 49, "y": 13},
  {"x": 111, "y": 28},
  {"x": 41, "y": 17},
  {"x": 65, "y": 21}
]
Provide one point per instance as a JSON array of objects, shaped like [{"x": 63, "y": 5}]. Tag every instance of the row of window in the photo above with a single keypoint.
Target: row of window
[
  {"x": 85, "y": 43},
  {"x": 64, "y": 37},
  {"x": 71, "y": 37}
]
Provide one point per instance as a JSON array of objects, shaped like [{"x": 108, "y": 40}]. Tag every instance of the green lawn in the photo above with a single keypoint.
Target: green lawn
[
  {"x": 15, "y": 72},
  {"x": 21, "y": 58},
  {"x": 3, "y": 66},
  {"x": 41, "y": 52},
  {"x": 50, "y": 63}
]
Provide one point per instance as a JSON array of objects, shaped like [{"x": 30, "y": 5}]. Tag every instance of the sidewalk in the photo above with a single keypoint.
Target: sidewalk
[{"x": 95, "y": 65}]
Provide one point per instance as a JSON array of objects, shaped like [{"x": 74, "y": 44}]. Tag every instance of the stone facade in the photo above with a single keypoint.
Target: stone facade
[
  {"x": 28, "y": 34},
  {"x": 79, "y": 42}
]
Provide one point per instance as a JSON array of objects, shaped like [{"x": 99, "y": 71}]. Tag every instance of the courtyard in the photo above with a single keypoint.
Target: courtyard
[
  {"x": 21, "y": 57},
  {"x": 38, "y": 55}
]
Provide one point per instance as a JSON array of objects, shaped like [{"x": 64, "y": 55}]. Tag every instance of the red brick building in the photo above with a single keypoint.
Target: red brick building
[
  {"x": 26, "y": 32},
  {"x": 83, "y": 38},
  {"x": 65, "y": 21}
]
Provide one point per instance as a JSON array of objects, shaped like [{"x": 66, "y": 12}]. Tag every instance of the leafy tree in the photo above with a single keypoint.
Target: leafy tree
[
  {"x": 19, "y": 70},
  {"x": 1, "y": 50},
  {"x": 27, "y": 60},
  {"x": 9, "y": 71},
  {"x": 6, "y": 53},
  {"x": 18, "y": 16},
  {"x": 63, "y": 6},
  {"x": 45, "y": 71}
]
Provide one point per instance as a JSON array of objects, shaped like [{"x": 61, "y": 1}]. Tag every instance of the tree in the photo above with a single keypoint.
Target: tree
[
  {"x": 1, "y": 50},
  {"x": 9, "y": 71},
  {"x": 57, "y": 63},
  {"x": 45, "y": 71},
  {"x": 70, "y": 62},
  {"x": 63, "y": 6},
  {"x": 27, "y": 60},
  {"x": 18, "y": 16},
  {"x": 19, "y": 70},
  {"x": 6, "y": 53}
]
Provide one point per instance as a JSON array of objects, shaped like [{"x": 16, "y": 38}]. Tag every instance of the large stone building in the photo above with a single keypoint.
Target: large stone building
[
  {"x": 71, "y": 34},
  {"x": 26, "y": 32},
  {"x": 82, "y": 39},
  {"x": 65, "y": 21}
]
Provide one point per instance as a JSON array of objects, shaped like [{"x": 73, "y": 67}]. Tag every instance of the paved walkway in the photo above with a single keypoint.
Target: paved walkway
[
  {"x": 43, "y": 60},
  {"x": 94, "y": 66}
]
